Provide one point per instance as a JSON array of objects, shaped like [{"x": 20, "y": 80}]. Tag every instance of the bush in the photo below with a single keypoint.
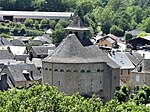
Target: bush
[
  {"x": 128, "y": 36},
  {"x": 28, "y": 23}
]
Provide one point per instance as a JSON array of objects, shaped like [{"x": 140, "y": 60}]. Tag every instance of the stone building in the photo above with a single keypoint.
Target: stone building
[
  {"x": 126, "y": 66},
  {"x": 75, "y": 68},
  {"x": 141, "y": 74}
]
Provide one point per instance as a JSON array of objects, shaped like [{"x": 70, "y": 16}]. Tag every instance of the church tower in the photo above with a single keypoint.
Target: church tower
[{"x": 82, "y": 33}]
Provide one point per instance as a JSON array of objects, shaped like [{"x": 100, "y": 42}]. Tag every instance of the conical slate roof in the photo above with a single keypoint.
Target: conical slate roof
[
  {"x": 77, "y": 24},
  {"x": 72, "y": 51}
]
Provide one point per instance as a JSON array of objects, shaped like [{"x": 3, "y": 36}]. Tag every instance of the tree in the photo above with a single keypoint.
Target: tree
[
  {"x": 28, "y": 23},
  {"x": 145, "y": 25},
  {"x": 58, "y": 35},
  {"x": 45, "y": 23},
  {"x": 116, "y": 31}
]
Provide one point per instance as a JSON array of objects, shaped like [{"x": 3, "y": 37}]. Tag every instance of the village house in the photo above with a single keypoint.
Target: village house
[
  {"x": 141, "y": 74},
  {"x": 41, "y": 51},
  {"x": 17, "y": 42},
  {"x": 125, "y": 64},
  {"x": 134, "y": 33},
  {"x": 75, "y": 68},
  {"x": 20, "y": 74},
  {"x": 139, "y": 42},
  {"x": 109, "y": 41},
  {"x": 4, "y": 42},
  {"x": 3, "y": 81}
]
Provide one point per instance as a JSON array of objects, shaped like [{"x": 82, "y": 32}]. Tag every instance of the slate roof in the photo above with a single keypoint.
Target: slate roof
[
  {"x": 85, "y": 41},
  {"x": 121, "y": 59},
  {"x": 43, "y": 39},
  {"x": 134, "y": 57},
  {"x": 134, "y": 32},
  {"x": 71, "y": 50},
  {"x": 112, "y": 36},
  {"x": 4, "y": 42},
  {"x": 39, "y": 50},
  {"x": 17, "y": 42},
  {"x": 5, "y": 54},
  {"x": 102, "y": 56},
  {"x": 49, "y": 31},
  {"x": 77, "y": 24},
  {"x": 110, "y": 40},
  {"x": 17, "y": 71}
]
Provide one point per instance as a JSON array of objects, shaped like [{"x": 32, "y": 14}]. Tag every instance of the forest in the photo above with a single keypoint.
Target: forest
[
  {"x": 109, "y": 16},
  {"x": 46, "y": 98}
]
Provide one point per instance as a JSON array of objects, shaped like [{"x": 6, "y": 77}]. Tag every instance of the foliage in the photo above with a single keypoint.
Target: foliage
[
  {"x": 142, "y": 34},
  {"x": 28, "y": 23},
  {"x": 145, "y": 25},
  {"x": 116, "y": 31},
  {"x": 125, "y": 14},
  {"x": 58, "y": 35},
  {"x": 128, "y": 36},
  {"x": 46, "y": 98}
]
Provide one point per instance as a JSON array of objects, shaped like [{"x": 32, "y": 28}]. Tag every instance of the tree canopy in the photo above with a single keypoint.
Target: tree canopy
[{"x": 47, "y": 98}]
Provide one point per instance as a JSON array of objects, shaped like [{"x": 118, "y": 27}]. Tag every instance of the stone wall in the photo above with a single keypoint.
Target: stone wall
[{"x": 83, "y": 78}]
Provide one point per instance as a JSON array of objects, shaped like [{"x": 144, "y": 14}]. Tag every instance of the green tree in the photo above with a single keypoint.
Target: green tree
[
  {"x": 28, "y": 23},
  {"x": 145, "y": 25},
  {"x": 58, "y": 35},
  {"x": 45, "y": 23},
  {"x": 116, "y": 31}
]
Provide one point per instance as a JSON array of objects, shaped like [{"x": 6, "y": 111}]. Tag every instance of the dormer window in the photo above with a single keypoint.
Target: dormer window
[{"x": 26, "y": 75}]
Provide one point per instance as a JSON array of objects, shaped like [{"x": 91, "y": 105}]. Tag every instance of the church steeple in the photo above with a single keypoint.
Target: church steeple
[{"x": 82, "y": 33}]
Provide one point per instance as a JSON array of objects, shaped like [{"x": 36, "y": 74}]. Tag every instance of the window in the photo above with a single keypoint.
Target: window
[
  {"x": 88, "y": 71},
  {"x": 70, "y": 32},
  {"x": 68, "y": 70},
  {"x": 115, "y": 77},
  {"x": 61, "y": 70},
  {"x": 82, "y": 71},
  {"x": 98, "y": 70},
  {"x": 50, "y": 69},
  {"x": 84, "y": 35},
  {"x": 102, "y": 70},
  {"x": 45, "y": 68},
  {"x": 59, "y": 83},
  {"x": 56, "y": 70},
  {"x": 100, "y": 81},
  {"x": 121, "y": 72},
  {"x": 75, "y": 71},
  {"x": 137, "y": 78},
  {"x": 128, "y": 71}
]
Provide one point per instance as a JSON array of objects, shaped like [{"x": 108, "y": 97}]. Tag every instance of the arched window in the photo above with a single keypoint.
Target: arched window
[
  {"x": 102, "y": 70},
  {"x": 82, "y": 71},
  {"x": 56, "y": 70},
  {"x": 88, "y": 71},
  {"x": 61, "y": 70},
  {"x": 68, "y": 70},
  {"x": 50, "y": 69},
  {"x": 46, "y": 69},
  {"x": 75, "y": 71},
  {"x": 70, "y": 32},
  {"x": 98, "y": 70}
]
